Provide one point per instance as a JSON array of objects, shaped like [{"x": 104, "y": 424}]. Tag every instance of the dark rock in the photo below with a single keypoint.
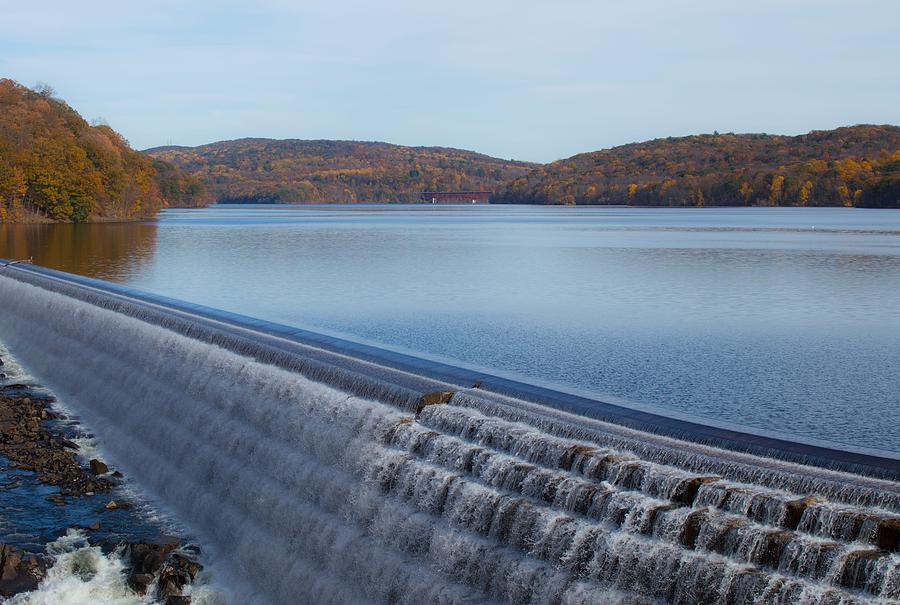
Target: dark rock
[
  {"x": 158, "y": 562},
  {"x": 691, "y": 528},
  {"x": 179, "y": 600},
  {"x": 856, "y": 572},
  {"x": 10, "y": 557},
  {"x": 18, "y": 574},
  {"x": 117, "y": 474},
  {"x": 774, "y": 547},
  {"x": 138, "y": 582},
  {"x": 98, "y": 467},
  {"x": 887, "y": 534},
  {"x": 686, "y": 492},
  {"x": 573, "y": 453},
  {"x": 30, "y": 445},
  {"x": 149, "y": 558},
  {"x": 794, "y": 510}
]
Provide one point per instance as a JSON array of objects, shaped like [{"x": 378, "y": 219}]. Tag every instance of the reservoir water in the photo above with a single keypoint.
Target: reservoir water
[{"x": 776, "y": 319}]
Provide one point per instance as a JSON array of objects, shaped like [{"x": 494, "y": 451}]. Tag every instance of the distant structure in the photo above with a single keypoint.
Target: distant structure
[{"x": 457, "y": 197}]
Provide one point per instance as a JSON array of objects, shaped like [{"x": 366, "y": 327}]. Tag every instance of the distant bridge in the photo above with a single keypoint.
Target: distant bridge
[{"x": 457, "y": 197}]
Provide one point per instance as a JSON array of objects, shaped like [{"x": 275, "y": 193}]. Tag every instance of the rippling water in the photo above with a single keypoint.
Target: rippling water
[{"x": 785, "y": 319}]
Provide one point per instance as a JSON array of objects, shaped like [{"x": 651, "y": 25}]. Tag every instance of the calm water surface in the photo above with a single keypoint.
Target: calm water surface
[{"x": 779, "y": 319}]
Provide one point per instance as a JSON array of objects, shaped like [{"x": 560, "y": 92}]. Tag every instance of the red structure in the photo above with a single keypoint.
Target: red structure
[{"x": 457, "y": 197}]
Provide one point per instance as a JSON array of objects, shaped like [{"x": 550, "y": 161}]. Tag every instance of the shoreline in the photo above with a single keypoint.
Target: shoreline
[{"x": 41, "y": 220}]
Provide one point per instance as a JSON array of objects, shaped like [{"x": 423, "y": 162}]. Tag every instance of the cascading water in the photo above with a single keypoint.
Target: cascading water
[{"x": 317, "y": 477}]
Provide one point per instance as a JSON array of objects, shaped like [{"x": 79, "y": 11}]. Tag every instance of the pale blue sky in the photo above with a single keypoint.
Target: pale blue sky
[{"x": 516, "y": 79}]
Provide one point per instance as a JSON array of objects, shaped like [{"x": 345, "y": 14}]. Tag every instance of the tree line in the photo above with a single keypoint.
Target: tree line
[
  {"x": 54, "y": 166},
  {"x": 850, "y": 166},
  {"x": 291, "y": 170}
]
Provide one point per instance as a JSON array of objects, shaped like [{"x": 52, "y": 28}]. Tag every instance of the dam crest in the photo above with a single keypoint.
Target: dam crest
[{"x": 323, "y": 471}]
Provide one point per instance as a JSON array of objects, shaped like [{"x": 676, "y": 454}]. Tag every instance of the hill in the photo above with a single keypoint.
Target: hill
[
  {"x": 292, "y": 170},
  {"x": 852, "y": 166},
  {"x": 54, "y": 166}
]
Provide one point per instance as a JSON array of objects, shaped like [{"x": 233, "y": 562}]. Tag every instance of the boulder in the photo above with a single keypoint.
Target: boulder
[
  {"x": 10, "y": 557},
  {"x": 18, "y": 574},
  {"x": 98, "y": 467}
]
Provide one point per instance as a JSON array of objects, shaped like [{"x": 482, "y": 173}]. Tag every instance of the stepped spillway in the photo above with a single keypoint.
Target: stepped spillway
[{"x": 321, "y": 471}]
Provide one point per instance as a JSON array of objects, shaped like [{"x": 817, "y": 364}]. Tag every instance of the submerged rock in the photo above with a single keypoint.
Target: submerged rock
[{"x": 116, "y": 505}]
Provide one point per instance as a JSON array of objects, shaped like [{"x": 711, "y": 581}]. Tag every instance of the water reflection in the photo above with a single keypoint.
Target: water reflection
[{"x": 113, "y": 251}]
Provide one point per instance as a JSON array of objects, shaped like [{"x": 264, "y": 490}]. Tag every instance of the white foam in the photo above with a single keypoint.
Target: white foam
[{"x": 81, "y": 575}]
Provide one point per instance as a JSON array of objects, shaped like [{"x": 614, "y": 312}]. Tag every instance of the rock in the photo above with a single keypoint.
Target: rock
[
  {"x": 774, "y": 547},
  {"x": 157, "y": 562},
  {"x": 149, "y": 558},
  {"x": 857, "y": 565},
  {"x": 686, "y": 492},
  {"x": 574, "y": 453},
  {"x": 115, "y": 505},
  {"x": 887, "y": 534},
  {"x": 10, "y": 557},
  {"x": 434, "y": 398},
  {"x": 179, "y": 600},
  {"x": 117, "y": 474},
  {"x": 794, "y": 510},
  {"x": 98, "y": 467},
  {"x": 18, "y": 574},
  {"x": 691, "y": 528},
  {"x": 31, "y": 445},
  {"x": 138, "y": 582}
]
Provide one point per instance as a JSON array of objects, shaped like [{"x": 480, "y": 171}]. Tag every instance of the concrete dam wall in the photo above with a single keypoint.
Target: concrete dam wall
[{"x": 323, "y": 471}]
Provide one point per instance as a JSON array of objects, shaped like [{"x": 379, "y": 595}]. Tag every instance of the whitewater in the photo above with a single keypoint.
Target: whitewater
[{"x": 319, "y": 475}]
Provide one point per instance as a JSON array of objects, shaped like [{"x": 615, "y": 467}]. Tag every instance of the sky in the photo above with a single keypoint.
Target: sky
[{"x": 523, "y": 80}]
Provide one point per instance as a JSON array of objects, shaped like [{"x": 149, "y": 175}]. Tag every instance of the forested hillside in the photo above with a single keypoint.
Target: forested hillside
[
  {"x": 54, "y": 166},
  {"x": 266, "y": 170},
  {"x": 852, "y": 166}
]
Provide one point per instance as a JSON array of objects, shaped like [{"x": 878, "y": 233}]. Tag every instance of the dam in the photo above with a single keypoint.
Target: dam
[{"x": 324, "y": 471}]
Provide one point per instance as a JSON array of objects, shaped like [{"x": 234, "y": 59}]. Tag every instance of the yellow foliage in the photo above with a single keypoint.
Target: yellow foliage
[
  {"x": 804, "y": 193},
  {"x": 775, "y": 189}
]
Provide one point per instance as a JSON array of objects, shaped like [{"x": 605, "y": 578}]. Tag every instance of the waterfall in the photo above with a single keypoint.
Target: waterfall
[{"x": 320, "y": 476}]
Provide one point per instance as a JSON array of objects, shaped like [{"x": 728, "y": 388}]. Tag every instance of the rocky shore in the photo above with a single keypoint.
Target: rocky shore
[{"x": 31, "y": 445}]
